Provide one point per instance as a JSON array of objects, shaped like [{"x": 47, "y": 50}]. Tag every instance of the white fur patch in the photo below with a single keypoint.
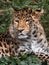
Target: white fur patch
[
  {"x": 37, "y": 48},
  {"x": 22, "y": 37}
]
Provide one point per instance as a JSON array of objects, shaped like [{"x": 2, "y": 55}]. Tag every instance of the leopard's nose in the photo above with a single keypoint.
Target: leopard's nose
[{"x": 20, "y": 30}]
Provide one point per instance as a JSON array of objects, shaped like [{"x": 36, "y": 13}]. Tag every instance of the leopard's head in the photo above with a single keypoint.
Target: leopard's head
[{"x": 22, "y": 22}]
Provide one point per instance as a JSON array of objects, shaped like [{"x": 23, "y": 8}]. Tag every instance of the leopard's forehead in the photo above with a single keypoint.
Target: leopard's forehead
[
  {"x": 27, "y": 10},
  {"x": 23, "y": 13},
  {"x": 27, "y": 13}
]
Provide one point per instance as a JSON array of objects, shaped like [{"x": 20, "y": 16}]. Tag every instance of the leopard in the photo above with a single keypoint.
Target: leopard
[{"x": 27, "y": 34}]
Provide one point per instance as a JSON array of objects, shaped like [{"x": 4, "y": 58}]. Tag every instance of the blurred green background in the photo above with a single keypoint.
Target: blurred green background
[{"x": 5, "y": 17}]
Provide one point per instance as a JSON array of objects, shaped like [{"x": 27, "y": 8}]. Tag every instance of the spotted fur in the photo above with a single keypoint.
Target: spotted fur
[{"x": 27, "y": 32}]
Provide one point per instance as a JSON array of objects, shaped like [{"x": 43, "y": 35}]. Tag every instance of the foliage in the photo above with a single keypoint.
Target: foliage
[
  {"x": 5, "y": 17},
  {"x": 4, "y": 20},
  {"x": 26, "y": 59}
]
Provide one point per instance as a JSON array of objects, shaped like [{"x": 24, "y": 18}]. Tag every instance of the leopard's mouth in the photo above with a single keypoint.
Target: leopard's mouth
[{"x": 22, "y": 36}]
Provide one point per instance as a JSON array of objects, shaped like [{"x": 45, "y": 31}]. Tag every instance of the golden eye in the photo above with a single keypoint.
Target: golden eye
[{"x": 16, "y": 20}]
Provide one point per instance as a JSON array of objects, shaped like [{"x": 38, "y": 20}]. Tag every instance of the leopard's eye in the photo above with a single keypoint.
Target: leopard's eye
[
  {"x": 27, "y": 19},
  {"x": 17, "y": 21}
]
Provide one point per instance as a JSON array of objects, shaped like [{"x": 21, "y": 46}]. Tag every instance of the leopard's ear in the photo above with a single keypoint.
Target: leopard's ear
[
  {"x": 36, "y": 14},
  {"x": 13, "y": 10},
  {"x": 39, "y": 12}
]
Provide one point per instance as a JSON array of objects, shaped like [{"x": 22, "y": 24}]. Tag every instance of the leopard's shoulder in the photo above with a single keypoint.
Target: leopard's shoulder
[{"x": 8, "y": 46}]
